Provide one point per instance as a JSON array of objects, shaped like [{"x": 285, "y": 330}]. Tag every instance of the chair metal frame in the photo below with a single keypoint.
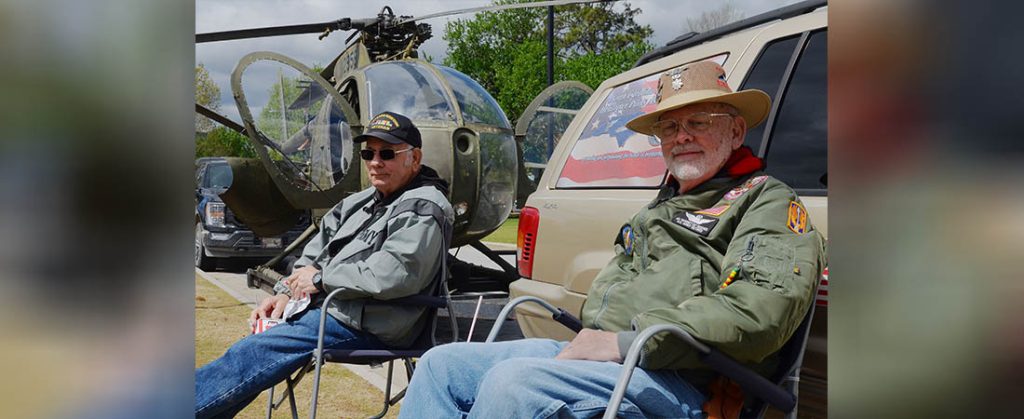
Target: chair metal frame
[
  {"x": 781, "y": 392},
  {"x": 439, "y": 297}
]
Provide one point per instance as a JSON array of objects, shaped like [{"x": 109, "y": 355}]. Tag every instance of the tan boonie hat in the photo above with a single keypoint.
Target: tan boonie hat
[{"x": 701, "y": 82}]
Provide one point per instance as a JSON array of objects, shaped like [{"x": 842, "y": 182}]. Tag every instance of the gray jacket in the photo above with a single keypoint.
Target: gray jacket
[{"x": 383, "y": 248}]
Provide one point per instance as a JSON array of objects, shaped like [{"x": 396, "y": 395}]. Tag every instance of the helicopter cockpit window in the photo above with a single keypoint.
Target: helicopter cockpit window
[
  {"x": 305, "y": 133},
  {"x": 609, "y": 155},
  {"x": 408, "y": 89},
  {"x": 477, "y": 105}
]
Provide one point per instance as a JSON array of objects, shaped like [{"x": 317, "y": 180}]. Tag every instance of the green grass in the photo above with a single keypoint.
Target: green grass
[
  {"x": 221, "y": 321},
  {"x": 506, "y": 233}
]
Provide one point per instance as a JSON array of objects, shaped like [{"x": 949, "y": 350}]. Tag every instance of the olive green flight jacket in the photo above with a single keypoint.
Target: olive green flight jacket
[{"x": 673, "y": 257}]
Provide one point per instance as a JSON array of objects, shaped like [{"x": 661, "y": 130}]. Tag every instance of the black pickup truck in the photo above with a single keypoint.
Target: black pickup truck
[{"x": 219, "y": 235}]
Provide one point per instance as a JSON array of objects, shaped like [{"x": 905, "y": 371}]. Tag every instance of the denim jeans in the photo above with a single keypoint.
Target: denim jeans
[
  {"x": 228, "y": 384},
  {"x": 521, "y": 379}
]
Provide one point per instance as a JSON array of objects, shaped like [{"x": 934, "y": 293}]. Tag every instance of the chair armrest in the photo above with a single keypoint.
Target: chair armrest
[
  {"x": 750, "y": 381},
  {"x": 557, "y": 314},
  {"x": 413, "y": 300}
]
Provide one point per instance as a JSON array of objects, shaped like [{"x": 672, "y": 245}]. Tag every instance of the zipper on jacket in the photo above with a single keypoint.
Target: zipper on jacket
[
  {"x": 641, "y": 238},
  {"x": 749, "y": 255}
]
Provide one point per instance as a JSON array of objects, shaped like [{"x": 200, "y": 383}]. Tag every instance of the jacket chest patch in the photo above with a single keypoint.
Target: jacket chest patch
[
  {"x": 697, "y": 223},
  {"x": 742, "y": 189},
  {"x": 367, "y": 236}
]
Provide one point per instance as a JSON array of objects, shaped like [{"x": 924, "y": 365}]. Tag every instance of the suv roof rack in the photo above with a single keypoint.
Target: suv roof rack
[{"x": 693, "y": 38}]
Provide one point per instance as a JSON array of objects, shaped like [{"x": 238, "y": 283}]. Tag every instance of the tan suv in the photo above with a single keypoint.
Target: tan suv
[{"x": 600, "y": 173}]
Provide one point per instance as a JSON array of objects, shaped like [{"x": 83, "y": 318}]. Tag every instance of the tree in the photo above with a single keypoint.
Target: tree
[
  {"x": 505, "y": 51},
  {"x": 726, "y": 13},
  {"x": 208, "y": 95},
  {"x": 223, "y": 142}
]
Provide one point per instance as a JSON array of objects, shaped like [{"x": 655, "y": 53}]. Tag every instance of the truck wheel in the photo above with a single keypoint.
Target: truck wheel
[{"x": 202, "y": 261}]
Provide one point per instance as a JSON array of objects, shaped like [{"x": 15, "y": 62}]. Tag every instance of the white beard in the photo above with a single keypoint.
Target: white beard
[{"x": 707, "y": 166}]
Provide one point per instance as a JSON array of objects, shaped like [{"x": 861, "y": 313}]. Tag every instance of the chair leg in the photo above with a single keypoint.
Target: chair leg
[
  {"x": 387, "y": 392},
  {"x": 793, "y": 385},
  {"x": 291, "y": 398},
  {"x": 290, "y": 383},
  {"x": 270, "y": 401}
]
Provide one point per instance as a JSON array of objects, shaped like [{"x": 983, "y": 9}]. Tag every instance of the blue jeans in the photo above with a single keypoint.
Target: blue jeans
[
  {"x": 521, "y": 379},
  {"x": 228, "y": 384}
]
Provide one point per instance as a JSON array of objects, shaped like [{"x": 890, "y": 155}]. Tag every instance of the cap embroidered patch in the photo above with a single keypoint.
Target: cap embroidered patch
[
  {"x": 627, "y": 239},
  {"x": 384, "y": 122},
  {"x": 714, "y": 211},
  {"x": 697, "y": 223},
  {"x": 797, "y": 218}
]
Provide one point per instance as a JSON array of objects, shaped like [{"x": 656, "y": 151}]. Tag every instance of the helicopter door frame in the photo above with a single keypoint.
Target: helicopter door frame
[
  {"x": 523, "y": 124},
  {"x": 296, "y": 195}
]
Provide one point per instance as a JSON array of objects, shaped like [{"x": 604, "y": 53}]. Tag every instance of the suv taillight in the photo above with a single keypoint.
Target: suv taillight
[{"x": 526, "y": 241}]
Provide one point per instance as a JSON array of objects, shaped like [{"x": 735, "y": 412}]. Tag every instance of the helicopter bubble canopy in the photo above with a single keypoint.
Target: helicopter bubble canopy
[
  {"x": 298, "y": 124},
  {"x": 407, "y": 88}
]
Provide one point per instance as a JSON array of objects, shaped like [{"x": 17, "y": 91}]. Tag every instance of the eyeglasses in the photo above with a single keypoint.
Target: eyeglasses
[
  {"x": 694, "y": 124},
  {"x": 385, "y": 154}
]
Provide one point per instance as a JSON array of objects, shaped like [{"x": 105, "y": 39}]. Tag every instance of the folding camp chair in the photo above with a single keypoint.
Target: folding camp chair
[
  {"x": 436, "y": 298},
  {"x": 779, "y": 391}
]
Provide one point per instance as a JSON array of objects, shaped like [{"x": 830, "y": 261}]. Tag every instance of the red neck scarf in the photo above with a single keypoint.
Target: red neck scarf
[{"x": 742, "y": 162}]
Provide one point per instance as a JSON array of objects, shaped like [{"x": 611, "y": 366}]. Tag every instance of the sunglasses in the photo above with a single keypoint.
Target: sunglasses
[
  {"x": 385, "y": 154},
  {"x": 695, "y": 124}
]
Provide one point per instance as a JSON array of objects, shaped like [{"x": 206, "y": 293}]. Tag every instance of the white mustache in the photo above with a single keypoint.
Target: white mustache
[{"x": 684, "y": 149}]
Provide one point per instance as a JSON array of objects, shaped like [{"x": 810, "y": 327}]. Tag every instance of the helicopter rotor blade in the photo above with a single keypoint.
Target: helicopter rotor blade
[
  {"x": 501, "y": 7},
  {"x": 324, "y": 28},
  {"x": 223, "y": 120}
]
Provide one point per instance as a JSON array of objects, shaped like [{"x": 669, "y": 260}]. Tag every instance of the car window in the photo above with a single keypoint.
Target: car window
[
  {"x": 217, "y": 176},
  {"x": 798, "y": 151},
  {"x": 766, "y": 75},
  {"x": 609, "y": 155}
]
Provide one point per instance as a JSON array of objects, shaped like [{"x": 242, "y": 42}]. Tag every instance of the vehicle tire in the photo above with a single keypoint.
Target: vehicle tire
[{"x": 202, "y": 261}]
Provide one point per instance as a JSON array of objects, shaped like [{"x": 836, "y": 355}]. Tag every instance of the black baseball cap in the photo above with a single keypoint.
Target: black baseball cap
[{"x": 392, "y": 128}]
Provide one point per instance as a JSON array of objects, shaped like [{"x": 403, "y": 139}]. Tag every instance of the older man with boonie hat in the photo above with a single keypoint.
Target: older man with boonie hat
[{"x": 723, "y": 251}]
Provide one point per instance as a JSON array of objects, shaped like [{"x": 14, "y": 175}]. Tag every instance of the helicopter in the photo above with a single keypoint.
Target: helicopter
[{"x": 301, "y": 123}]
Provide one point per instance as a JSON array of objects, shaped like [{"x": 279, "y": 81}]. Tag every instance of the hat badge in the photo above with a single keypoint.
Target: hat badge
[{"x": 677, "y": 79}]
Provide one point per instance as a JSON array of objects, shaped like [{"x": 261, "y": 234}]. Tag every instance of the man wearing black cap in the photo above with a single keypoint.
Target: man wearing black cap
[{"x": 384, "y": 242}]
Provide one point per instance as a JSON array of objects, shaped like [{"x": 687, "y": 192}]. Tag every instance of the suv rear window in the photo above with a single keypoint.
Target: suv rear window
[
  {"x": 797, "y": 148},
  {"x": 609, "y": 155}
]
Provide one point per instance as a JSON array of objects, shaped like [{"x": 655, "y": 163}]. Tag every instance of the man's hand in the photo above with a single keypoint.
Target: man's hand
[
  {"x": 593, "y": 345},
  {"x": 271, "y": 307},
  {"x": 301, "y": 281}
]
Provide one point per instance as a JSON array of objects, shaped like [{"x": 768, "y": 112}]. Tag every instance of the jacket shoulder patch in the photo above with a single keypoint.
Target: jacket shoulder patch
[
  {"x": 746, "y": 186},
  {"x": 797, "y": 221},
  {"x": 627, "y": 238}
]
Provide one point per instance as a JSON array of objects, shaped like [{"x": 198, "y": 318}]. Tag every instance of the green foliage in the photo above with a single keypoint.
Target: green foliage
[
  {"x": 505, "y": 51},
  {"x": 208, "y": 95},
  {"x": 508, "y": 232},
  {"x": 223, "y": 142},
  {"x": 269, "y": 121}
]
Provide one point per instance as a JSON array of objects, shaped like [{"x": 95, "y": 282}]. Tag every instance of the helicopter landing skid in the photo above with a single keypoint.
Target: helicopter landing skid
[{"x": 468, "y": 277}]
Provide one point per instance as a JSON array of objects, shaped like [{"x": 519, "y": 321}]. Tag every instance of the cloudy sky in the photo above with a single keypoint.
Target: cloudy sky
[{"x": 666, "y": 17}]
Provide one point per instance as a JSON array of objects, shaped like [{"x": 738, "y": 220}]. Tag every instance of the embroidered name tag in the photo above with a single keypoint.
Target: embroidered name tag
[{"x": 697, "y": 223}]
